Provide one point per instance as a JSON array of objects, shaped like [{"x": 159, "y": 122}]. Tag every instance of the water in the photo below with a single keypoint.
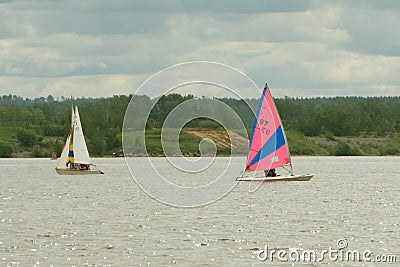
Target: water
[{"x": 106, "y": 220}]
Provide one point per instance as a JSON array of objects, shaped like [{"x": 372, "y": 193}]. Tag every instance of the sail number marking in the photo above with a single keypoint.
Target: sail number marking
[
  {"x": 76, "y": 125},
  {"x": 264, "y": 123}
]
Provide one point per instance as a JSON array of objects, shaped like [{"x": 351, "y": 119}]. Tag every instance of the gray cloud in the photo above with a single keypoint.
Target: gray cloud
[
  {"x": 373, "y": 32},
  {"x": 301, "y": 47}
]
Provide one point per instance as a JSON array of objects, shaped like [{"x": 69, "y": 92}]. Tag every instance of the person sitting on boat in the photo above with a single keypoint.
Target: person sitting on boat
[
  {"x": 270, "y": 173},
  {"x": 71, "y": 164},
  {"x": 84, "y": 166}
]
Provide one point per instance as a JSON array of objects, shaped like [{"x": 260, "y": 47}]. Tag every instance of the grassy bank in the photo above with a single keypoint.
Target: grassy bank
[
  {"x": 324, "y": 145},
  {"x": 190, "y": 138}
]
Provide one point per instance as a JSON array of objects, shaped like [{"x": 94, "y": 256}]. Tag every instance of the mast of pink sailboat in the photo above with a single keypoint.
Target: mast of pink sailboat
[{"x": 268, "y": 147}]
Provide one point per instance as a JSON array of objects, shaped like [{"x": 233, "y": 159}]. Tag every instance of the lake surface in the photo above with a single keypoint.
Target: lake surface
[{"x": 107, "y": 220}]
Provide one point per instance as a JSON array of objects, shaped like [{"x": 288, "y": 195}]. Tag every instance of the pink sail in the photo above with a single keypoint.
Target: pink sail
[{"x": 268, "y": 148}]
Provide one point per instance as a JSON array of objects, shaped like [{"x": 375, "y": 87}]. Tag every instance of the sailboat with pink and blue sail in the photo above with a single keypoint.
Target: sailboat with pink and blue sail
[{"x": 268, "y": 148}]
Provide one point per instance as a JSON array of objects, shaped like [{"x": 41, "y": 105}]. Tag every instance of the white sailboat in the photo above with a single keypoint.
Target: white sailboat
[
  {"x": 268, "y": 148},
  {"x": 75, "y": 157}
]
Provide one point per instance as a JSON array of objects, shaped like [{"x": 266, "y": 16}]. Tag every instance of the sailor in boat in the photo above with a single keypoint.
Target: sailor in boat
[
  {"x": 71, "y": 164},
  {"x": 84, "y": 166},
  {"x": 270, "y": 173}
]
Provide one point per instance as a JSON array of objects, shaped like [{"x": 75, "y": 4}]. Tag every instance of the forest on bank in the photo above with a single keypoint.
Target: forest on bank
[{"x": 323, "y": 125}]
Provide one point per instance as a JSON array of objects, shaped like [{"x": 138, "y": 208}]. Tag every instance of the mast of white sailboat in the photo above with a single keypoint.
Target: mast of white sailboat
[{"x": 283, "y": 130}]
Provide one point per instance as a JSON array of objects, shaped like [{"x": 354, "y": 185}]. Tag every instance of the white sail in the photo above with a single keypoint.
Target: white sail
[
  {"x": 75, "y": 152},
  {"x": 62, "y": 161},
  {"x": 81, "y": 152}
]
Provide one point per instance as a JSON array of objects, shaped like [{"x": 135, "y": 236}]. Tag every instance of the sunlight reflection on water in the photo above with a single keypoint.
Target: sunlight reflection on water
[{"x": 106, "y": 219}]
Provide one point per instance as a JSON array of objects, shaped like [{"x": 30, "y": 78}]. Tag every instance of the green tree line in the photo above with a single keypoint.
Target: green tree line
[
  {"x": 32, "y": 124},
  {"x": 342, "y": 116}
]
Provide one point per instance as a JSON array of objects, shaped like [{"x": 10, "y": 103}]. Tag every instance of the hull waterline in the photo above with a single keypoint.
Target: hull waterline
[
  {"x": 299, "y": 177},
  {"x": 77, "y": 172}
]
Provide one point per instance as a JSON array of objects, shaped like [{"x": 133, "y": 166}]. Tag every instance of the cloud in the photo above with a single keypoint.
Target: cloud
[
  {"x": 77, "y": 86},
  {"x": 307, "y": 47},
  {"x": 373, "y": 32}
]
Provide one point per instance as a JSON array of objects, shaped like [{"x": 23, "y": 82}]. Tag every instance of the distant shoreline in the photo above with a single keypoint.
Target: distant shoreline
[
  {"x": 299, "y": 145},
  {"x": 293, "y": 156},
  {"x": 339, "y": 126}
]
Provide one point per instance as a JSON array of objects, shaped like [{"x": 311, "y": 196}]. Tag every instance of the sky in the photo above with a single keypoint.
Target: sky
[{"x": 97, "y": 48}]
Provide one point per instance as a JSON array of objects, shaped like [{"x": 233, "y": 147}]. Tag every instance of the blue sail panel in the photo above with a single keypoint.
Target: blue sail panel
[{"x": 276, "y": 141}]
